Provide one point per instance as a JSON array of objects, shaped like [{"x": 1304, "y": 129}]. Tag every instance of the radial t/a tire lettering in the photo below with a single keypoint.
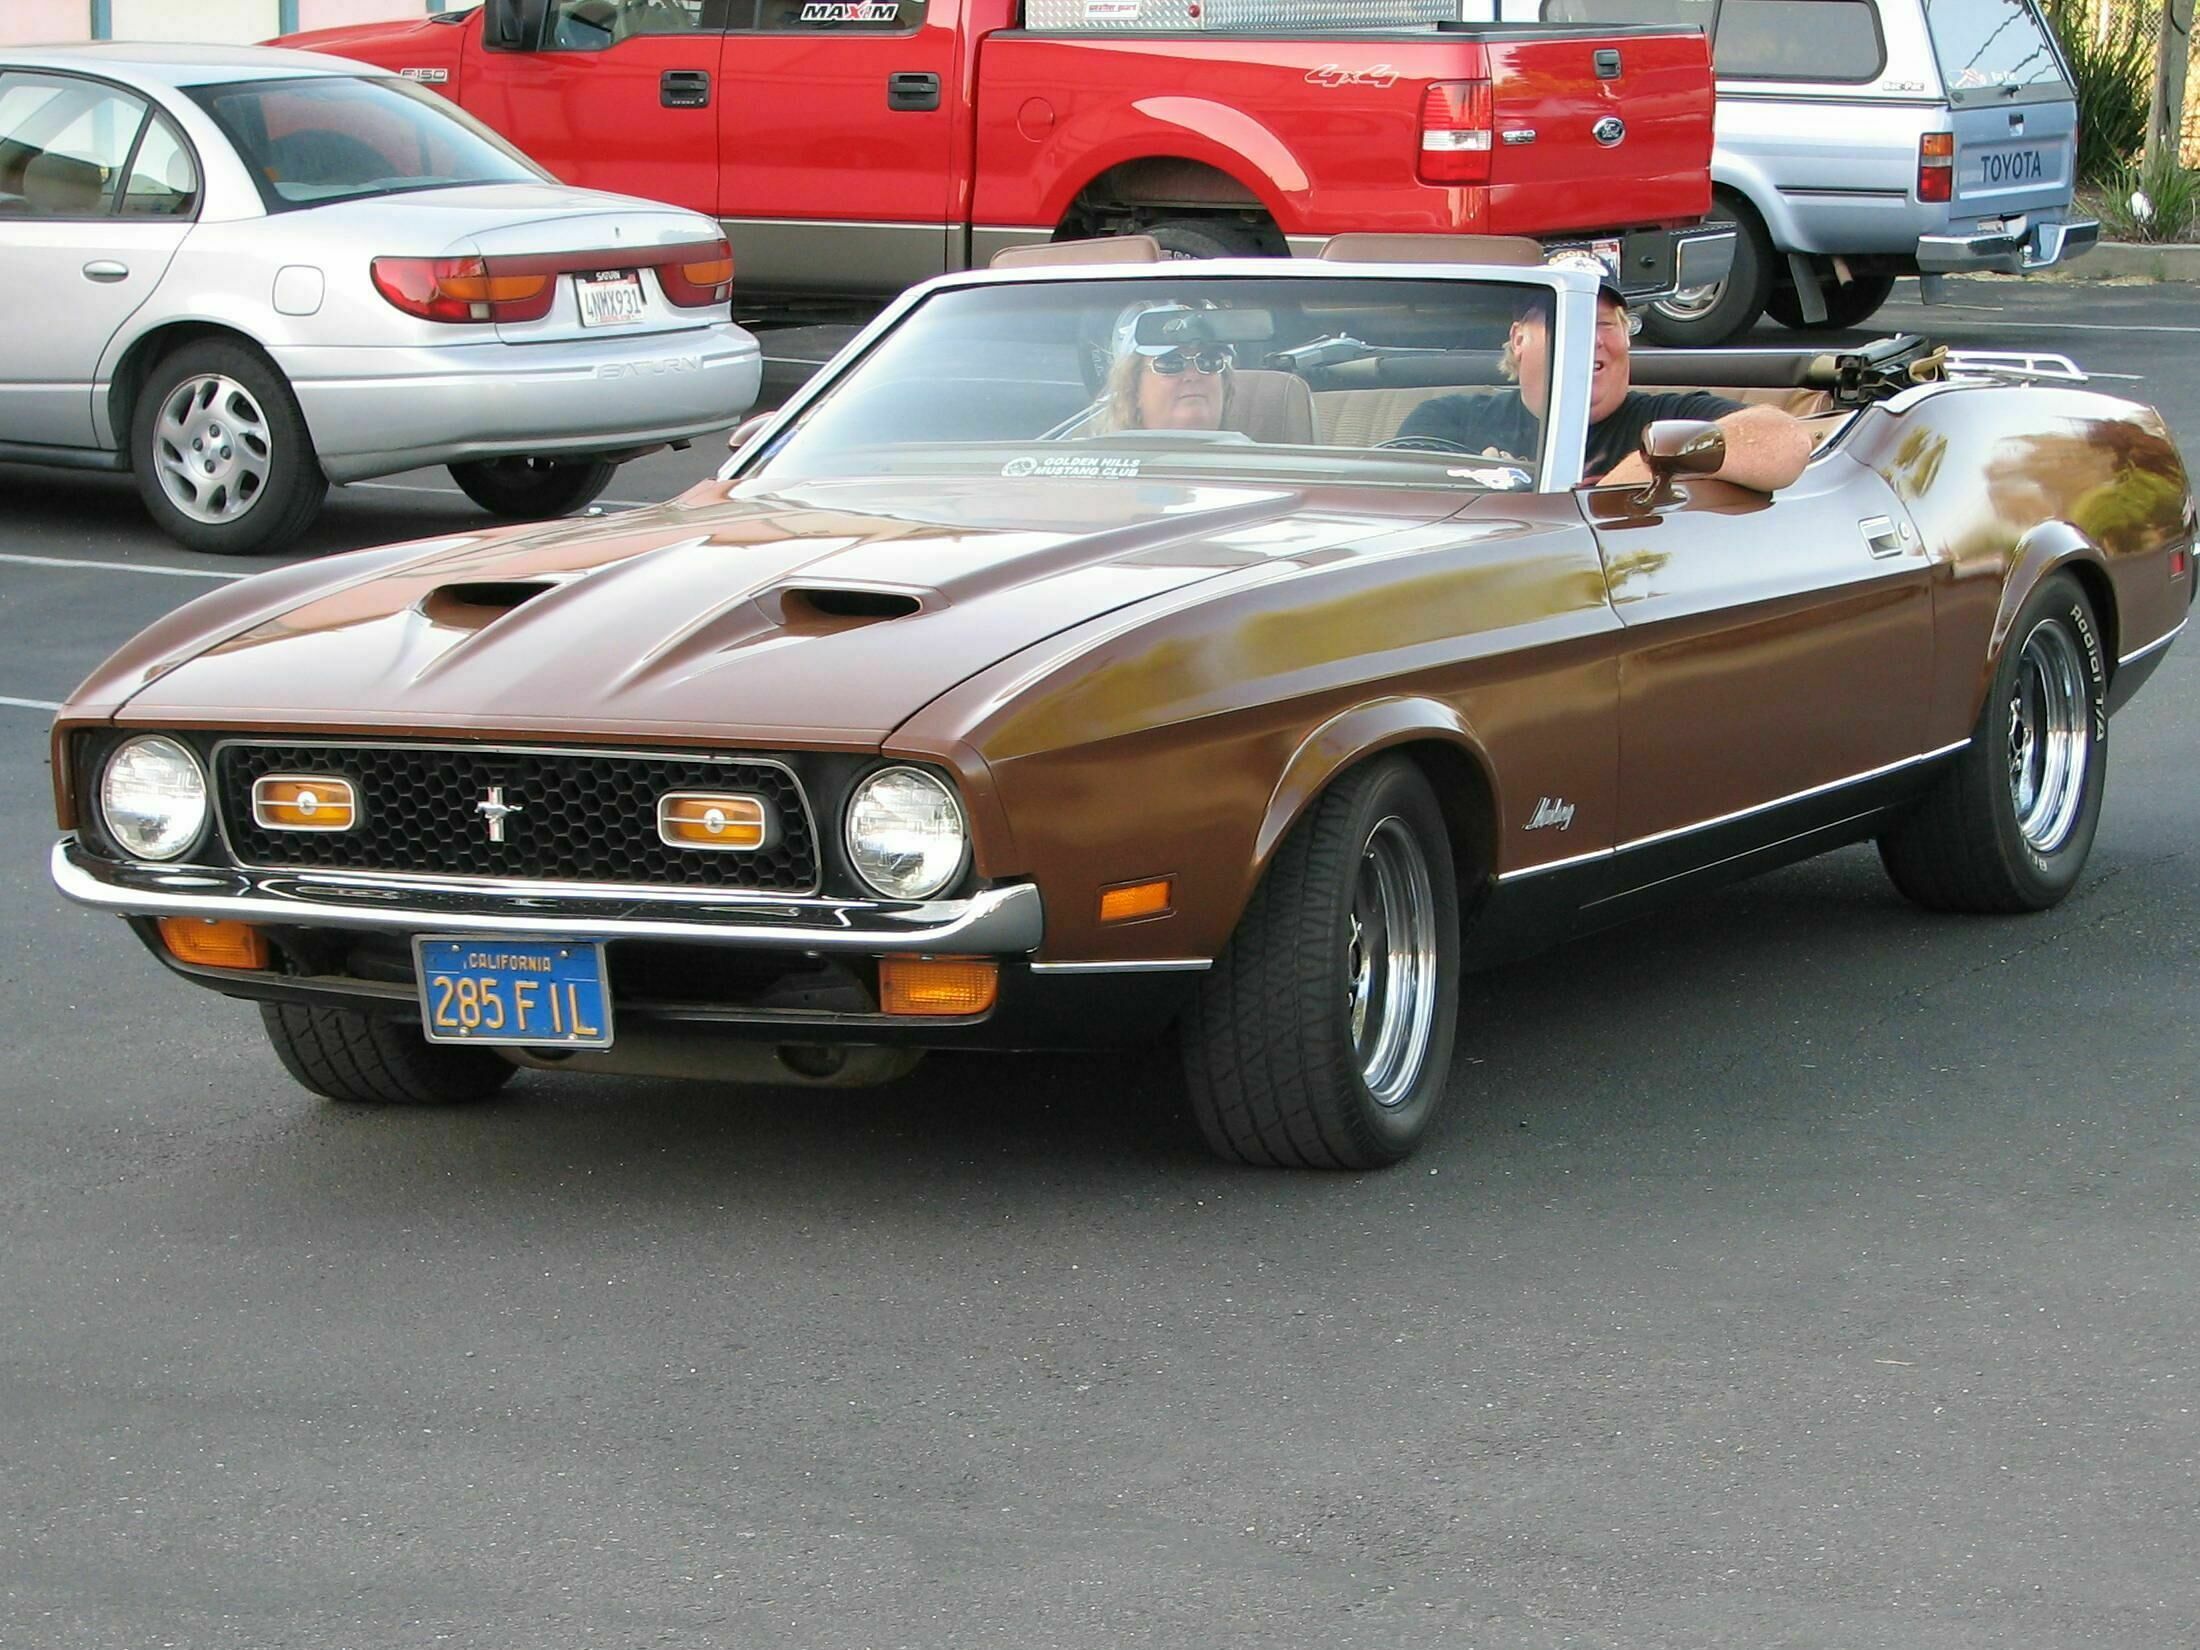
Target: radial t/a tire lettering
[
  {"x": 366, "y": 1060},
  {"x": 1322, "y": 1036},
  {"x": 2009, "y": 826}
]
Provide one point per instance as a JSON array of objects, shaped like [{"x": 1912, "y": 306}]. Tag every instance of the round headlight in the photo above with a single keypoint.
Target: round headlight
[
  {"x": 905, "y": 833},
  {"x": 153, "y": 797}
]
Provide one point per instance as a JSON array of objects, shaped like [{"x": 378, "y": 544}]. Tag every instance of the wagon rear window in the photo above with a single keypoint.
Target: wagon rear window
[{"x": 1991, "y": 50}]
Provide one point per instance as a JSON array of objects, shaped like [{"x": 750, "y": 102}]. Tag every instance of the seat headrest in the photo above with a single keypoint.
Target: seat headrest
[
  {"x": 63, "y": 183},
  {"x": 1513, "y": 251},
  {"x": 1105, "y": 249}
]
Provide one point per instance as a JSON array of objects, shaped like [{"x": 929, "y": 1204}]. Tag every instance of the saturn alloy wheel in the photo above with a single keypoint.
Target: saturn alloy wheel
[{"x": 222, "y": 456}]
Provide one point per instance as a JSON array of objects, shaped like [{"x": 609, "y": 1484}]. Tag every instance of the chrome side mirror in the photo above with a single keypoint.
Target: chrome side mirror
[{"x": 1674, "y": 447}]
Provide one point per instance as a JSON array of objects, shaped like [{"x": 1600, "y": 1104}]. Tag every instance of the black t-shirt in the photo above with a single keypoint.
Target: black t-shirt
[{"x": 1476, "y": 423}]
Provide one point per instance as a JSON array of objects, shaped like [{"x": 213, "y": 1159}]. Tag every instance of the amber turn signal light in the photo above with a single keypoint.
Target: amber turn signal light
[
  {"x": 1136, "y": 899},
  {"x": 711, "y": 820},
  {"x": 938, "y": 985},
  {"x": 208, "y": 943},
  {"x": 304, "y": 802}
]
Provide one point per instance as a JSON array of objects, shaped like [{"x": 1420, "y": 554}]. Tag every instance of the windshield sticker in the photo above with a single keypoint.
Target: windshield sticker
[
  {"x": 1082, "y": 466},
  {"x": 850, "y": 11}
]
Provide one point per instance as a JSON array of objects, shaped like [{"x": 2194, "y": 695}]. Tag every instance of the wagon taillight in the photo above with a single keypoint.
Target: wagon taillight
[{"x": 1936, "y": 166}]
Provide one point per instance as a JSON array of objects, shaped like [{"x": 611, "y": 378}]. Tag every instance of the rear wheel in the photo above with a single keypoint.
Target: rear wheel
[
  {"x": 355, "y": 1057},
  {"x": 2009, "y": 826},
  {"x": 1205, "y": 238},
  {"x": 1848, "y": 304},
  {"x": 221, "y": 453},
  {"x": 1725, "y": 309},
  {"x": 1322, "y": 1036},
  {"x": 530, "y": 488}
]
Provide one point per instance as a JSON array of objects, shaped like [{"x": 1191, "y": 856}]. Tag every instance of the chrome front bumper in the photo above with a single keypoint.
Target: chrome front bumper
[
  {"x": 2014, "y": 249},
  {"x": 1003, "y": 921}
]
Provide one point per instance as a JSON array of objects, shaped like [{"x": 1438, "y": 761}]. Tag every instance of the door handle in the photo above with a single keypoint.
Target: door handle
[
  {"x": 912, "y": 92},
  {"x": 684, "y": 89},
  {"x": 1883, "y": 536},
  {"x": 107, "y": 271}
]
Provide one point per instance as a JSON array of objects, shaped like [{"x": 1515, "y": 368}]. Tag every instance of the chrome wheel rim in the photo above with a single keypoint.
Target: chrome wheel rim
[
  {"x": 1390, "y": 962},
  {"x": 212, "y": 449},
  {"x": 1691, "y": 303},
  {"x": 2050, "y": 737}
]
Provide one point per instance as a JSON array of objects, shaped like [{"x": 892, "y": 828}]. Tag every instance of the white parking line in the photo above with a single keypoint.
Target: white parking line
[
  {"x": 30, "y": 704},
  {"x": 164, "y": 571}
]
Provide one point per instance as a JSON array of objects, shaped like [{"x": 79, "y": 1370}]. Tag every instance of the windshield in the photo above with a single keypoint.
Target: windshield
[
  {"x": 333, "y": 138},
  {"x": 1992, "y": 50},
  {"x": 1317, "y": 378}
]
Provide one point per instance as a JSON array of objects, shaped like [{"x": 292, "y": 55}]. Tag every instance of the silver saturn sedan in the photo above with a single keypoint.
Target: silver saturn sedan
[{"x": 241, "y": 274}]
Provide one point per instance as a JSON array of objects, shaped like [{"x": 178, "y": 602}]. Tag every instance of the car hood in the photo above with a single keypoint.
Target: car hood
[{"x": 823, "y": 614}]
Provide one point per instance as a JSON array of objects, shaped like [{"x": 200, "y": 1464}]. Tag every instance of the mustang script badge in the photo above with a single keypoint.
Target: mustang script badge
[{"x": 1549, "y": 811}]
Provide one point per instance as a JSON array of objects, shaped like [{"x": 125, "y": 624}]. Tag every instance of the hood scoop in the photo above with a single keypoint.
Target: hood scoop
[
  {"x": 824, "y": 607},
  {"x": 478, "y": 603}
]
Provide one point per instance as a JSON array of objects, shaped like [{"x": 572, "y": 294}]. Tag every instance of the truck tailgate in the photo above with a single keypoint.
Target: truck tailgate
[
  {"x": 2014, "y": 159},
  {"x": 1560, "y": 163}
]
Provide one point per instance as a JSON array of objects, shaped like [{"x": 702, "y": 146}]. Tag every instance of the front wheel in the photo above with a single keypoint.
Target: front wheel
[
  {"x": 221, "y": 453},
  {"x": 355, "y": 1057},
  {"x": 1322, "y": 1037},
  {"x": 530, "y": 488},
  {"x": 2009, "y": 826}
]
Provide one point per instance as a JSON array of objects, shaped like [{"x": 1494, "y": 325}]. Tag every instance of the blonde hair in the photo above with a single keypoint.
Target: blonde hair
[{"x": 1119, "y": 395}]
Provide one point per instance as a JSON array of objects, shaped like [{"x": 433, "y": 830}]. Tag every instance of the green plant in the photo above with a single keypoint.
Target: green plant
[
  {"x": 2153, "y": 202},
  {"x": 2111, "y": 55}
]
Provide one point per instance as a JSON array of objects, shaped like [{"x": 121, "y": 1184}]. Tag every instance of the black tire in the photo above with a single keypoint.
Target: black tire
[
  {"x": 223, "y": 458},
  {"x": 533, "y": 489},
  {"x": 1848, "y": 304},
  {"x": 2009, "y": 826},
  {"x": 1728, "y": 309},
  {"x": 1274, "y": 1071},
  {"x": 367, "y": 1061},
  {"x": 1206, "y": 238}
]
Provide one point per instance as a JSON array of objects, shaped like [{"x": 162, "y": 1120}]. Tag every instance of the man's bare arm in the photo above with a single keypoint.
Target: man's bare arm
[{"x": 1766, "y": 449}]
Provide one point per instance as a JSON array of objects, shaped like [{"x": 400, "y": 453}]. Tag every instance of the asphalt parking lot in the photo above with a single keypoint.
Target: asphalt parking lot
[{"x": 1798, "y": 1271}]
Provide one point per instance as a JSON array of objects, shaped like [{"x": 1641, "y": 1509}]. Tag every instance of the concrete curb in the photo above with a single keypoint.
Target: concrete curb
[{"x": 2129, "y": 260}]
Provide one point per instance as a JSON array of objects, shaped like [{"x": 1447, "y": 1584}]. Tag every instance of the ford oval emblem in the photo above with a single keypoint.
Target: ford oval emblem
[{"x": 1609, "y": 130}]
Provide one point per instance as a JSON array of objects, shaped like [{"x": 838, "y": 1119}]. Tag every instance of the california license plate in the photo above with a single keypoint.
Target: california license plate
[
  {"x": 611, "y": 299},
  {"x": 539, "y": 992}
]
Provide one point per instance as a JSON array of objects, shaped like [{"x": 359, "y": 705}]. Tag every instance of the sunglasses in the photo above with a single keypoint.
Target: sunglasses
[{"x": 1207, "y": 360}]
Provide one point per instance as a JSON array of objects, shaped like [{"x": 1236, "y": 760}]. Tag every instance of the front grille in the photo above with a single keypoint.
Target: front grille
[{"x": 577, "y": 816}]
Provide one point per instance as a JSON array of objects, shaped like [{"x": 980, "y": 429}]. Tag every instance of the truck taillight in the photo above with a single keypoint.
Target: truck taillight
[
  {"x": 463, "y": 289},
  {"x": 1936, "y": 166},
  {"x": 1455, "y": 132},
  {"x": 697, "y": 281}
]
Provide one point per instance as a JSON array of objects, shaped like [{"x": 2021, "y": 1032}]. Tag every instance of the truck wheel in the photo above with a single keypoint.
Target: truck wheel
[
  {"x": 1726, "y": 309},
  {"x": 1321, "y": 1038},
  {"x": 1205, "y": 238},
  {"x": 1848, "y": 304},
  {"x": 358, "y": 1058},
  {"x": 532, "y": 489},
  {"x": 221, "y": 454},
  {"x": 2008, "y": 827}
]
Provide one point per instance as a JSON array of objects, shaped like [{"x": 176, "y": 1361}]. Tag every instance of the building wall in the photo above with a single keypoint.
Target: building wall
[{"x": 26, "y": 21}]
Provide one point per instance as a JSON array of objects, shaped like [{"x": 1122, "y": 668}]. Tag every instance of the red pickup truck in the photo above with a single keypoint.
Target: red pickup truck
[{"x": 854, "y": 146}]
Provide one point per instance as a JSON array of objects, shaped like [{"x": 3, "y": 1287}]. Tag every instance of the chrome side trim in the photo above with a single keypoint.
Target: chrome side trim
[
  {"x": 1158, "y": 965},
  {"x": 2153, "y": 646},
  {"x": 1656, "y": 837},
  {"x": 997, "y": 921}
]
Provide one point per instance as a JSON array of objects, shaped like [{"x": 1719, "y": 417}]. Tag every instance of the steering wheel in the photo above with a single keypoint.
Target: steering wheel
[{"x": 1419, "y": 444}]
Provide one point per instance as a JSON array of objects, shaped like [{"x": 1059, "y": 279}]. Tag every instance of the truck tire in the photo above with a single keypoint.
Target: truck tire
[
  {"x": 1727, "y": 309},
  {"x": 1848, "y": 304},
  {"x": 1205, "y": 238}
]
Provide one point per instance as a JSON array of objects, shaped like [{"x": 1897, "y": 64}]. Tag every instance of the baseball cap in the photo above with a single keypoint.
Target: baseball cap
[{"x": 1579, "y": 258}]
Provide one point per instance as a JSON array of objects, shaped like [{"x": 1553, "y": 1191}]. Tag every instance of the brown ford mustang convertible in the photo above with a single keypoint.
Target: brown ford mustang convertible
[{"x": 1085, "y": 653}]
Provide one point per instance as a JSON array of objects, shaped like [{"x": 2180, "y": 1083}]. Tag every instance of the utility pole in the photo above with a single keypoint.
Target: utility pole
[{"x": 2166, "y": 107}]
